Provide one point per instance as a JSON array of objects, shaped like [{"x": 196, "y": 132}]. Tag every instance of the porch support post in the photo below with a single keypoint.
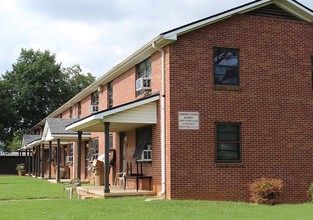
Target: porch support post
[
  {"x": 106, "y": 156},
  {"x": 79, "y": 154},
  {"x": 58, "y": 160},
  {"x": 43, "y": 161},
  {"x": 37, "y": 161},
  {"x": 26, "y": 161},
  {"x": 33, "y": 163},
  {"x": 50, "y": 152}
]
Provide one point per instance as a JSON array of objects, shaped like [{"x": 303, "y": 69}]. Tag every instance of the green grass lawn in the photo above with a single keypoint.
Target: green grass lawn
[{"x": 29, "y": 198}]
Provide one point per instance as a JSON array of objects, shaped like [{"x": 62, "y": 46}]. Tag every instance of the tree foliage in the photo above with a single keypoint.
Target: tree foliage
[{"x": 36, "y": 86}]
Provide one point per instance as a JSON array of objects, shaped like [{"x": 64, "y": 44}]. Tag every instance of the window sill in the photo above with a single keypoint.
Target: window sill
[
  {"x": 229, "y": 164},
  {"x": 228, "y": 87}
]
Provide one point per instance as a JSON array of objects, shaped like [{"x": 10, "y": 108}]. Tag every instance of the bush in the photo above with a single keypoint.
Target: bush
[
  {"x": 311, "y": 192},
  {"x": 265, "y": 190}
]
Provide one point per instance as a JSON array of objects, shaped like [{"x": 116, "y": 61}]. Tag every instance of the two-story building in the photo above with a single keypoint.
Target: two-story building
[{"x": 208, "y": 107}]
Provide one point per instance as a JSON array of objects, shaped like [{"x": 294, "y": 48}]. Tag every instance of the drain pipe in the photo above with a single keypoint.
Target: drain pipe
[{"x": 162, "y": 120}]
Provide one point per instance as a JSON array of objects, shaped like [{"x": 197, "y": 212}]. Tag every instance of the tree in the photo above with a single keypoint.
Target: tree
[
  {"x": 76, "y": 80},
  {"x": 36, "y": 86}
]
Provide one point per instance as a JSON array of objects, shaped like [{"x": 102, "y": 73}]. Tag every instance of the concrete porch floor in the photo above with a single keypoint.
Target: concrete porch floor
[
  {"x": 65, "y": 180},
  {"x": 115, "y": 191}
]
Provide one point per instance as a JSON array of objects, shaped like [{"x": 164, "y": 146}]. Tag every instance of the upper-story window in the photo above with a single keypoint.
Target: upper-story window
[
  {"x": 226, "y": 66},
  {"x": 143, "y": 71},
  {"x": 79, "y": 109},
  {"x": 94, "y": 102},
  {"x": 71, "y": 112},
  {"x": 110, "y": 95}
]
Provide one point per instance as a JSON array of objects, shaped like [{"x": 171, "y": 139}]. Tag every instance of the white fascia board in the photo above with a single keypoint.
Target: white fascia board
[
  {"x": 214, "y": 19},
  {"x": 127, "y": 106},
  {"x": 295, "y": 9},
  {"x": 67, "y": 137},
  {"x": 91, "y": 120},
  {"x": 34, "y": 143}
]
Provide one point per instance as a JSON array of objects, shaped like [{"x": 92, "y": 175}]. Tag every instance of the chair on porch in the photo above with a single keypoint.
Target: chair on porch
[
  {"x": 121, "y": 177},
  {"x": 71, "y": 187}
]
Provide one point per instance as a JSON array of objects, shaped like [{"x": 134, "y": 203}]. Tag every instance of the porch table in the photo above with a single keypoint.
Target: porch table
[{"x": 137, "y": 178}]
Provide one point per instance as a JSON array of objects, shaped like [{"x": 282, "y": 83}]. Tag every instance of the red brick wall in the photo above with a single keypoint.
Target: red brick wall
[{"x": 274, "y": 105}]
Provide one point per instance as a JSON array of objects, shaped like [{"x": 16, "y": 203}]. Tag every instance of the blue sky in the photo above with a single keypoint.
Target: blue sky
[{"x": 96, "y": 34}]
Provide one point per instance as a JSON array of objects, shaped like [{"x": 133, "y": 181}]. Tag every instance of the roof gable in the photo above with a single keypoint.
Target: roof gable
[
  {"x": 291, "y": 8},
  {"x": 273, "y": 10}
]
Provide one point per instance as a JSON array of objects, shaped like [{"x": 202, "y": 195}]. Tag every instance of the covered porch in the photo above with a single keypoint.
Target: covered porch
[{"x": 120, "y": 119}]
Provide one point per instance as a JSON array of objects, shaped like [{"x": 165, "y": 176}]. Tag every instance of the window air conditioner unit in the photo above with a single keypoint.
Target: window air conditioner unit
[
  {"x": 68, "y": 159},
  {"x": 143, "y": 84},
  {"x": 93, "y": 108}
]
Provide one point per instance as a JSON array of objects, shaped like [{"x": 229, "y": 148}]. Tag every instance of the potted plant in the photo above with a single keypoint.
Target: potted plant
[{"x": 20, "y": 169}]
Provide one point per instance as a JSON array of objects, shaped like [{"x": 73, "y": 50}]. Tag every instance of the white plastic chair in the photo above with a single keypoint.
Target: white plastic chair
[
  {"x": 71, "y": 187},
  {"x": 121, "y": 177}
]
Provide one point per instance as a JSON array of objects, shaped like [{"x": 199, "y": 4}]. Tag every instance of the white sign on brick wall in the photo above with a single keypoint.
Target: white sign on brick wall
[{"x": 188, "y": 120}]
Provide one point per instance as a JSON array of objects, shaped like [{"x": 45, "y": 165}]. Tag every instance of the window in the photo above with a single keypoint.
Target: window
[
  {"x": 226, "y": 63},
  {"x": 79, "y": 109},
  {"x": 143, "y": 70},
  {"x": 228, "y": 142},
  {"x": 69, "y": 158},
  {"x": 143, "y": 150},
  {"x": 110, "y": 95},
  {"x": 94, "y": 101},
  {"x": 71, "y": 112},
  {"x": 93, "y": 152}
]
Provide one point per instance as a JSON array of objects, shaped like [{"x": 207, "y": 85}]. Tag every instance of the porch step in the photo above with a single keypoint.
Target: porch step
[{"x": 85, "y": 197}]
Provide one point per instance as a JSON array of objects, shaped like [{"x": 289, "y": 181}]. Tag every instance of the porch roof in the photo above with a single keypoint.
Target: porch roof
[
  {"x": 122, "y": 118},
  {"x": 55, "y": 129},
  {"x": 29, "y": 138}
]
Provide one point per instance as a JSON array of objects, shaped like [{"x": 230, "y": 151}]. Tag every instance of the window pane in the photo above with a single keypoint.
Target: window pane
[
  {"x": 228, "y": 147},
  {"x": 226, "y": 57},
  {"x": 227, "y": 128},
  {"x": 228, "y": 152},
  {"x": 228, "y": 132},
  {"x": 228, "y": 142},
  {"x": 227, "y": 155},
  {"x": 227, "y": 136},
  {"x": 226, "y": 66},
  {"x": 226, "y": 75}
]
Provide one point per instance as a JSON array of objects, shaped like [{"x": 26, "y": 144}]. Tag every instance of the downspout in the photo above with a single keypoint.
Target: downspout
[{"x": 163, "y": 184}]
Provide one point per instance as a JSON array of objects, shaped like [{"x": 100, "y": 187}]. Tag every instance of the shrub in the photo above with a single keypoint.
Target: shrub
[
  {"x": 265, "y": 190},
  {"x": 311, "y": 192}
]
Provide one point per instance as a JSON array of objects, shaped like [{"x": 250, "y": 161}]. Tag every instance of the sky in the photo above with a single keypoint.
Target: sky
[{"x": 96, "y": 34}]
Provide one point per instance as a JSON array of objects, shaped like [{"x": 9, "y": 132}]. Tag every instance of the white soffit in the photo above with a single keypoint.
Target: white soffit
[{"x": 129, "y": 115}]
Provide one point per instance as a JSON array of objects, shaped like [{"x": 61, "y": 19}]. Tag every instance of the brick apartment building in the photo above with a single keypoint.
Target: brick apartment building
[{"x": 206, "y": 108}]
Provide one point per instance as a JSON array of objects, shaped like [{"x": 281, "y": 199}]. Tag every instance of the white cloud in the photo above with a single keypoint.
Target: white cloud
[{"x": 95, "y": 34}]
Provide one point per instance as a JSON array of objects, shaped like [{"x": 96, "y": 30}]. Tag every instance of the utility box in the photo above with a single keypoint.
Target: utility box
[{"x": 98, "y": 172}]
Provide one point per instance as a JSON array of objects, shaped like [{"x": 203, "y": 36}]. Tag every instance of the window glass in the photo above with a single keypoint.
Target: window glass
[
  {"x": 226, "y": 62},
  {"x": 143, "y": 70},
  {"x": 228, "y": 142},
  {"x": 110, "y": 95},
  {"x": 95, "y": 98},
  {"x": 143, "y": 150}
]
